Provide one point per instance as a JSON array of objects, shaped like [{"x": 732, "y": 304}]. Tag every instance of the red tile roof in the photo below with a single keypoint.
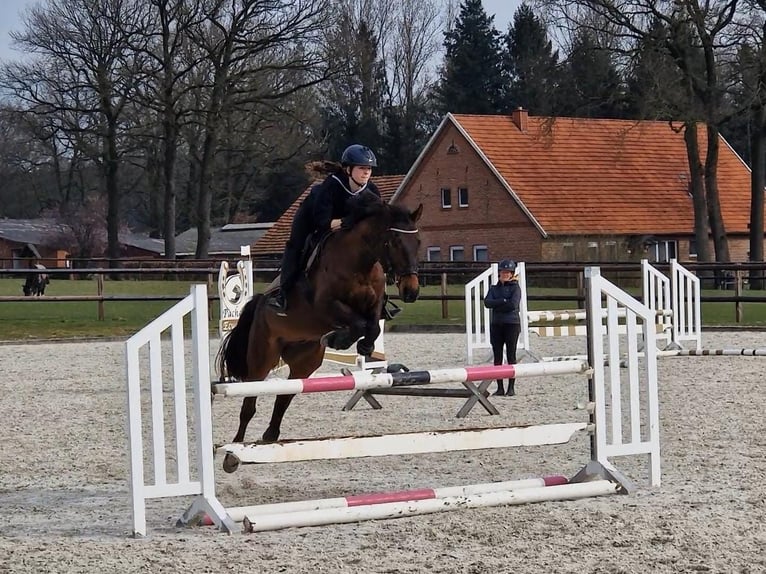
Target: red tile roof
[
  {"x": 605, "y": 176},
  {"x": 273, "y": 241}
]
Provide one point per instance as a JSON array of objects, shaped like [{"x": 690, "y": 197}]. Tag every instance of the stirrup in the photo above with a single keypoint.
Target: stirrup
[{"x": 393, "y": 311}]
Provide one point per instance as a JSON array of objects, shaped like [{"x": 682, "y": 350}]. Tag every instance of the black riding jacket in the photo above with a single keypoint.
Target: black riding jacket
[
  {"x": 504, "y": 299},
  {"x": 328, "y": 200}
]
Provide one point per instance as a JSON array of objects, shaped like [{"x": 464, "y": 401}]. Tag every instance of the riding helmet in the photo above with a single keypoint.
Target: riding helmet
[
  {"x": 507, "y": 265},
  {"x": 358, "y": 155}
]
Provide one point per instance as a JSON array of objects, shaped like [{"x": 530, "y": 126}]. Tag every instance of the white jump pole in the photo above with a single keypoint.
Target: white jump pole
[
  {"x": 403, "y": 443},
  {"x": 401, "y": 509},
  {"x": 238, "y": 513}
]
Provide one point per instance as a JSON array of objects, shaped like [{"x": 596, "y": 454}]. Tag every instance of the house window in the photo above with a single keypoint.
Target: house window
[
  {"x": 446, "y": 197},
  {"x": 568, "y": 252},
  {"x": 692, "y": 249},
  {"x": 610, "y": 250},
  {"x": 480, "y": 253},
  {"x": 433, "y": 254},
  {"x": 462, "y": 196},
  {"x": 456, "y": 253},
  {"x": 664, "y": 251}
]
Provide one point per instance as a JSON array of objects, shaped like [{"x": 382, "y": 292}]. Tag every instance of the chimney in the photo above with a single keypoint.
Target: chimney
[{"x": 520, "y": 117}]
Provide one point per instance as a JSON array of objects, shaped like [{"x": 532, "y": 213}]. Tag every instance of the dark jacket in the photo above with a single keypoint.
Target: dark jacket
[
  {"x": 328, "y": 200},
  {"x": 504, "y": 300}
]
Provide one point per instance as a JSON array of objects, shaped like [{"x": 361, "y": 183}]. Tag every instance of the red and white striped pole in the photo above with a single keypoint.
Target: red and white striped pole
[
  {"x": 362, "y": 380},
  {"x": 238, "y": 513}
]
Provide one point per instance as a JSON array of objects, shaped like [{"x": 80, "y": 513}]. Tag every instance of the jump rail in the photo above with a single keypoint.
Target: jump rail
[{"x": 183, "y": 465}]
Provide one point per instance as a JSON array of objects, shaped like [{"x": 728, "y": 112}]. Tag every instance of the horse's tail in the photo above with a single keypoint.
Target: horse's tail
[{"x": 232, "y": 356}]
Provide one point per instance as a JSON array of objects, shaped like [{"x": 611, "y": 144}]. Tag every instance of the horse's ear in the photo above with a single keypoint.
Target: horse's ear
[{"x": 415, "y": 215}]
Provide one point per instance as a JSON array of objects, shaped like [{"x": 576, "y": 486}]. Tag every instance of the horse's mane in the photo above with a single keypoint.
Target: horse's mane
[{"x": 363, "y": 205}]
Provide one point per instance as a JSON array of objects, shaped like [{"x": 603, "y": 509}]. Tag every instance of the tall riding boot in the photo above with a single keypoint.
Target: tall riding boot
[
  {"x": 511, "y": 390},
  {"x": 288, "y": 274},
  {"x": 499, "y": 390}
]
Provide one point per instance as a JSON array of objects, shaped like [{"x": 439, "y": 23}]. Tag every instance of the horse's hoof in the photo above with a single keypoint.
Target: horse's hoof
[
  {"x": 269, "y": 436},
  {"x": 230, "y": 463}
]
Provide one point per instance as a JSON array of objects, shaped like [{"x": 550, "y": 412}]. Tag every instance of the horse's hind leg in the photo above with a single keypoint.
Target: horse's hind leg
[
  {"x": 303, "y": 359},
  {"x": 246, "y": 414},
  {"x": 266, "y": 357}
]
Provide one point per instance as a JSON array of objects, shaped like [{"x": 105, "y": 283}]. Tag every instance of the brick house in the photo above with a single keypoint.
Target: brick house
[{"x": 564, "y": 189}]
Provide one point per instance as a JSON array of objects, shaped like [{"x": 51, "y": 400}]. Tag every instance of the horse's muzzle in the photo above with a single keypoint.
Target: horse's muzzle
[{"x": 409, "y": 287}]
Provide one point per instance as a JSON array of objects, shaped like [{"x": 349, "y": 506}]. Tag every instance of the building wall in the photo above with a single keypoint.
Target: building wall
[
  {"x": 491, "y": 218},
  {"x": 49, "y": 256}
]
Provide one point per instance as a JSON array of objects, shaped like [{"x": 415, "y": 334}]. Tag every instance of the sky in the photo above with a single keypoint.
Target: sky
[{"x": 10, "y": 19}]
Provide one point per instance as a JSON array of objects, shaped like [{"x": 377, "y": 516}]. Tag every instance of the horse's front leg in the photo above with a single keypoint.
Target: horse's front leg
[{"x": 366, "y": 344}]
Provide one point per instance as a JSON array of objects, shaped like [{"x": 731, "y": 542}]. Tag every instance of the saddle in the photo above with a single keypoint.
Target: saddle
[{"x": 309, "y": 257}]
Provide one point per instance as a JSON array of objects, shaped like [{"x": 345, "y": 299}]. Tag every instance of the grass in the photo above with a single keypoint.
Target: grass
[{"x": 30, "y": 320}]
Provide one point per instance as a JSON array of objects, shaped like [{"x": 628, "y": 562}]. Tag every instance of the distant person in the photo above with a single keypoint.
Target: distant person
[{"x": 504, "y": 299}]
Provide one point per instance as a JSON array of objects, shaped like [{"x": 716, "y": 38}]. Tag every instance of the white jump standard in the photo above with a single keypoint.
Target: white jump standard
[
  {"x": 194, "y": 475},
  {"x": 675, "y": 300}
]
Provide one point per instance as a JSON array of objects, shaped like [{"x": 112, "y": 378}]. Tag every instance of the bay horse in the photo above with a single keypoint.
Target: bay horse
[{"x": 339, "y": 302}]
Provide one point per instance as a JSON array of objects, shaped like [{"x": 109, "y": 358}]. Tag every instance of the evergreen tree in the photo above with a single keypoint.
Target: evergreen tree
[
  {"x": 591, "y": 84},
  {"x": 472, "y": 79},
  {"x": 354, "y": 100},
  {"x": 531, "y": 65},
  {"x": 654, "y": 89}
]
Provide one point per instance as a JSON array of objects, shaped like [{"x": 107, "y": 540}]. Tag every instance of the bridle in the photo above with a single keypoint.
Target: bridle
[{"x": 409, "y": 271}]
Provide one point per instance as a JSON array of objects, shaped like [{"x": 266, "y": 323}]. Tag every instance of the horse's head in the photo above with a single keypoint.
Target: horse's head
[
  {"x": 402, "y": 244},
  {"x": 391, "y": 233}
]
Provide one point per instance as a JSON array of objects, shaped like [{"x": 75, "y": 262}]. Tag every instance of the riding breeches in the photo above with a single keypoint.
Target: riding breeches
[{"x": 504, "y": 335}]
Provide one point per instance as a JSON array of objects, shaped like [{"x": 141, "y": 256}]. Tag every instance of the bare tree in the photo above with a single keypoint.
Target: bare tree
[
  {"x": 81, "y": 63},
  {"x": 164, "y": 38},
  {"x": 752, "y": 77},
  {"x": 254, "y": 51}
]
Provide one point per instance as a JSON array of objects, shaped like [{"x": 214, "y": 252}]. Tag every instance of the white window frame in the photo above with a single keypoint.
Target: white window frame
[
  {"x": 430, "y": 251},
  {"x": 460, "y": 202},
  {"x": 454, "y": 249},
  {"x": 446, "y": 193},
  {"x": 476, "y": 249},
  {"x": 662, "y": 248}
]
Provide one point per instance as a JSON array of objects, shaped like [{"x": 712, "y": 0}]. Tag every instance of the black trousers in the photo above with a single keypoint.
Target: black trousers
[
  {"x": 504, "y": 335},
  {"x": 302, "y": 228}
]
